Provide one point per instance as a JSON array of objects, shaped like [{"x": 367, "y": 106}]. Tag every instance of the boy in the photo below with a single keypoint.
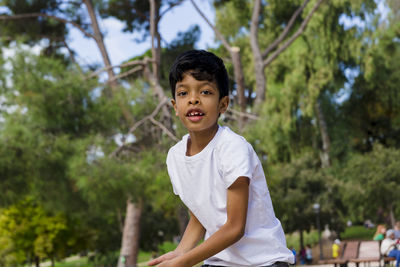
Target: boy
[{"x": 218, "y": 176}]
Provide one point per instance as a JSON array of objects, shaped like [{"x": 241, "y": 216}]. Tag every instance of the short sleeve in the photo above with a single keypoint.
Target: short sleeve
[
  {"x": 236, "y": 158},
  {"x": 170, "y": 167}
]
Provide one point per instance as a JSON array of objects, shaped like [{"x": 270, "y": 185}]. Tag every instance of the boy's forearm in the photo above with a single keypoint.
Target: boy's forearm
[
  {"x": 226, "y": 236},
  {"x": 194, "y": 232}
]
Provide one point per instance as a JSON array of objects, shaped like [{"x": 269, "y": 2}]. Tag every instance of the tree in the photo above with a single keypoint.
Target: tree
[
  {"x": 373, "y": 182},
  {"x": 28, "y": 233},
  {"x": 373, "y": 104},
  {"x": 296, "y": 186},
  {"x": 152, "y": 76},
  {"x": 60, "y": 108}
]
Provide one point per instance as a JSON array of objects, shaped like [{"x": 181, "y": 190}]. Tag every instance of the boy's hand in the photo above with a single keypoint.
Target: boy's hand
[
  {"x": 171, "y": 263},
  {"x": 166, "y": 257}
]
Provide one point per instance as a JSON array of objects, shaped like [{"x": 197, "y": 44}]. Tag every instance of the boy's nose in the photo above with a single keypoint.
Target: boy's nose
[{"x": 194, "y": 100}]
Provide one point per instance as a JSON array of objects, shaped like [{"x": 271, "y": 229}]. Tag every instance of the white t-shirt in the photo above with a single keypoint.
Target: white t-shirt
[{"x": 202, "y": 181}]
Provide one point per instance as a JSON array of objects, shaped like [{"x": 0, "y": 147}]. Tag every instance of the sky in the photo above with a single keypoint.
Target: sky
[{"x": 122, "y": 46}]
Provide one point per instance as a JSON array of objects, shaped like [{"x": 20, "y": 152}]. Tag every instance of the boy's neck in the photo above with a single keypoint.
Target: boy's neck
[{"x": 199, "y": 140}]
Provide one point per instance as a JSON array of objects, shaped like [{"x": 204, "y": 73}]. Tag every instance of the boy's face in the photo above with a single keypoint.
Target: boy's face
[{"x": 197, "y": 103}]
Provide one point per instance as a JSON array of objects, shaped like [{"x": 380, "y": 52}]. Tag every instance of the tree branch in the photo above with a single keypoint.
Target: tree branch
[
  {"x": 98, "y": 37},
  {"x": 130, "y": 63},
  {"x": 35, "y": 15},
  {"x": 243, "y": 114},
  {"x": 303, "y": 25},
  {"x": 127, "y": 73},
  {"x": 216, "y": 31},
  {"x": 171, "y": 6},
  {"x": 168, "y": 132},
  {"x": 143, "y": 120},
  {"x": 286, "y": 30}
]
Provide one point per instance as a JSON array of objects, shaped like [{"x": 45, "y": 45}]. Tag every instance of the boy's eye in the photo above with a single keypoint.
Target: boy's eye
[
  {"x": 206, "y": 92},
  {"x": 181, "y": 93}
]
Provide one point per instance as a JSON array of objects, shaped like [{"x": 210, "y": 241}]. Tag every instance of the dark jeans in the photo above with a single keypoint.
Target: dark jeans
[{"x": 276, "y": 264}]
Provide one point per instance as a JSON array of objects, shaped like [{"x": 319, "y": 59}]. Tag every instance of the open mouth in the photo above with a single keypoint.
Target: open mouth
[{"x": 195, "y": 115}]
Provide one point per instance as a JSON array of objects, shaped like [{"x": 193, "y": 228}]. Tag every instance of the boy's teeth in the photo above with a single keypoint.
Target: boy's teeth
[{"x": 196, "y": 114}]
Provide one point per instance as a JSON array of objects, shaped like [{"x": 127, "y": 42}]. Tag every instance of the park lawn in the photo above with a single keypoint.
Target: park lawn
[
  {"x": 358, "y": 232},
  {"x": 81, "y": 262}
]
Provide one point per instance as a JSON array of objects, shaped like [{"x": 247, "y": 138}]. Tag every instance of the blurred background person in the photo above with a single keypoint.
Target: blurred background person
[
  {"x": 336, "y": 248},
  {"x": 380, "y": 232},
  {"x": 389, "y": 246}
]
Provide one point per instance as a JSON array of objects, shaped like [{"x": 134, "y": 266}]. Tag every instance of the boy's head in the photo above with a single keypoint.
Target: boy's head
[
  {"x": 203, "y": 66},
  {"x": 199, "y": 85}
]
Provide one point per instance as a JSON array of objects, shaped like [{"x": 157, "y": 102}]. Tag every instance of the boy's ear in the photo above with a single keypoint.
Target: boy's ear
[
  {"x": 223, "y": 104},
  {"x": 173, "y": 102}
]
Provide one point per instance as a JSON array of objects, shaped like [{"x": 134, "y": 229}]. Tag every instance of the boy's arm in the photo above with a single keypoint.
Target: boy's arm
[
  {"x": 194, "y": 232},
  {"x": 228, "y": 234}
]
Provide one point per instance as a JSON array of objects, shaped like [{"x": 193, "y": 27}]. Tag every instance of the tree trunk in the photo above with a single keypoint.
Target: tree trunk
[
  {"x": 301, "y": 239},
  {"x": 130, "y": 237},
  {"x": 258, "y": 59},
  {"x": 261, "y": 82},
  {"x": 100, "y": 42},
  {"x": 239, "y": 80},
  {"x": 153, "y": 76},
  {"x": 239, "y": 77},
  {"x": 155, "y": 36},
  {"x": 326, "y": 143},
  {"x": 37, "y": 261},
  {"x": 391, "y": 216}
]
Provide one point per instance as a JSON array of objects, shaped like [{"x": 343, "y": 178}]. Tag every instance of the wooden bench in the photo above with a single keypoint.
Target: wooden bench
[
  {"x": 368, "y": 251},
  {"x": 350, "y": 251},
  {"x": 387, "y": 260}
]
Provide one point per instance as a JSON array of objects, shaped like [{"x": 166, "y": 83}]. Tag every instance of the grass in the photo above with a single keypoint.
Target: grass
[
  {"x": 144, "y": 256},
  {"x": 357, "y": 232},
  {"x": 82, "y": 262}
]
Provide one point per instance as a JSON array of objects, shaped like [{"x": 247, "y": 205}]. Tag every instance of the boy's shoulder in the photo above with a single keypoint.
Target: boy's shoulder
[
  {"x": 226, "y": 139},
  {"x": 230, "y": 138}
]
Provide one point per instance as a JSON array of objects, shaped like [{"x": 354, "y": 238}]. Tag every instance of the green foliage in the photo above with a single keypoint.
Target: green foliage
[
  {"x": 106, "y": 259},
  {"x": 26, "y": 231},
  {"x": 59, "y": 99},
  {"x": 373, "y": 182},
  {"x": 293, "y": 239},
  {"x": 135, "y": 13},
  {"x": 296, "y": 186},
  {"x": 373, "y": 107}
]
